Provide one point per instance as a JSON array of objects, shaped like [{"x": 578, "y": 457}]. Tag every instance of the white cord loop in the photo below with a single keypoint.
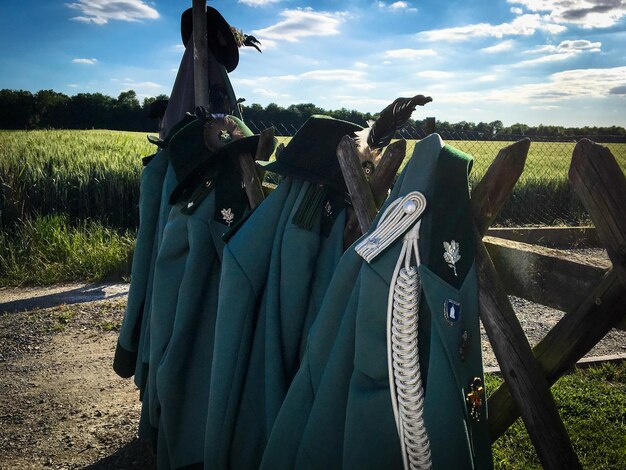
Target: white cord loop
[
  {"x": 397, "y": 218},
  {"x": 405, "y": 379}
]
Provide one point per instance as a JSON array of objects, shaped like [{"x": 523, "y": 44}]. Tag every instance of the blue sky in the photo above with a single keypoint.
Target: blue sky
[{"x": 559, "y": 62}]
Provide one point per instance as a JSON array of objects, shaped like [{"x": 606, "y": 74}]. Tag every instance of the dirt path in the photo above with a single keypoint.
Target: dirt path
[{"x": 61, "y": 405}]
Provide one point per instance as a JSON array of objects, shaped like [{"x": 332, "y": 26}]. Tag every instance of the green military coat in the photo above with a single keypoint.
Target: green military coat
[
  {"x": 184, "y": 304},
  {"x": 338, "y": 412},
  {"x": 275, "y": 272},
  {"x": 146, "y": 245}
]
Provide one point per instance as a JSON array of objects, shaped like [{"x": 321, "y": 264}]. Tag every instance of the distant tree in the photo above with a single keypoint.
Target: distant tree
[
  {"x": 128, "y": 99},
  {"x": 17, "y": 109},
  {"x": 90, "y": 110},
  {"x": 496, "y": 127},
  {"x": 50, "y": 108},
  {"x": 147, "y": 101},
  {"x": 518, "y": 129}
]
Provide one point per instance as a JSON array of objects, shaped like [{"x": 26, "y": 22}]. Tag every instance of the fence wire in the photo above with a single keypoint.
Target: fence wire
[{"x": 542, "y": 196}]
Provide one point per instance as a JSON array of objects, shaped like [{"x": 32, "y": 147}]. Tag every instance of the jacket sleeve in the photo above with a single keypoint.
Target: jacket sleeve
[{"x": 149, "y": 203}]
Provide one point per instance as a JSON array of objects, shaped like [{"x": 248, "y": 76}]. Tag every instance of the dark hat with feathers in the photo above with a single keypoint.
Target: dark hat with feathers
[
  {"x": 311, "y": 154},
  {"x": 195, "y": 148},
  {"x": 221, "y": 39}
]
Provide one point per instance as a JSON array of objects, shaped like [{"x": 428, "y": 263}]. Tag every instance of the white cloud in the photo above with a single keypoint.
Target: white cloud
[
  {"x": 85, "y": 61},
  {"x": 300, "y": 23},
  {"x": 524, "y": 25},
  {"x": 266, "y": 44},
  {"x": 434, "y": 74},
  {"x": 354, "y": 102},
  {"x": 487, "y": 78},
  {"x": 343, "y": 75},
  {"x": 129, "y": 83},
  {"x": 361, "y": 65},
  {"x": 516, "y": 11},
  {"x": 363, "y": 86},
  {"x": 408, "y": 53},
  {"x": 577, "y": 45},
  {"x": 545, "y": 59},
  {"x": 353, "y": 77},
  {"x": 72, "y": 85},
  {"x": 264, "y": 79},
  {"x": 269, "y": 93},
  {"x": 397, "y": 7},
  {"x": 102, "y": 11},
  {"x": 258, "y": 3},
  {"x": 500, "y": 47},
  {"x": 585, "y": 13},
  {"x": 563, "y": 51},
  {"x": 561, "y": 86}
]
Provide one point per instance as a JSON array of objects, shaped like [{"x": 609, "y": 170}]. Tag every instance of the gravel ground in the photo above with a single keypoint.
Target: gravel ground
[
  {"x": 61, "y": 405},
  {"x": 537, "y": 320}
]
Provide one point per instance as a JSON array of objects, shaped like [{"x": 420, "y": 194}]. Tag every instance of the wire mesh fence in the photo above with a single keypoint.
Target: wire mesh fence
[{"x": 542, "y": 196}]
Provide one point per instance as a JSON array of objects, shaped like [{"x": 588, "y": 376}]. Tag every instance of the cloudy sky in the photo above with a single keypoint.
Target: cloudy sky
[{"x": 557, "y": 62}]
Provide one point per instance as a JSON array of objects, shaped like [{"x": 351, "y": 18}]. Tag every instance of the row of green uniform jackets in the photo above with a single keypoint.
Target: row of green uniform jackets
[{"x": 270, "y": 350}]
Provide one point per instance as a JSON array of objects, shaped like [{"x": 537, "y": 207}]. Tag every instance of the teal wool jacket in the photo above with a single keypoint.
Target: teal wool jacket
[
  {"x": 149, "y": 201},
  {"x": 183, "y": 311},
  {"x": 338, "y": 412},
  {"x": 182, "y": 332},
  {"x": 128, "y": 355},
  {"x": 276, "y": 270}
]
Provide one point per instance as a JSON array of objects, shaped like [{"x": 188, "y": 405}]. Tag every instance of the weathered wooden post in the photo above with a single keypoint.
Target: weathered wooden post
[
  {"x": 378, "y": 187},
  {"x": 251, "y": 176},
  {"x": 356, "y": 182},
  {"x": 510, "y": 345},
  {"x": 200, "y": 53},
  {"x": 601, "y": 185},
  {"x": 382, "y": 179},
  {"x": 431, "y": 126},
  {"x": 201, "y": 73}
]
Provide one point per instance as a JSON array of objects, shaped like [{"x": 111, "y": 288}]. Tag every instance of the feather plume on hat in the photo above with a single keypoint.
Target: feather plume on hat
[{"x": 377, "y": 135}]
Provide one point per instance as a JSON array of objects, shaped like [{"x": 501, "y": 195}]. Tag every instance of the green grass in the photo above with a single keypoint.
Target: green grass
[
  {"x": 82, "y": 174},
  {"x": 47, "y": 250},
  {"x": 592, "y": 405}
]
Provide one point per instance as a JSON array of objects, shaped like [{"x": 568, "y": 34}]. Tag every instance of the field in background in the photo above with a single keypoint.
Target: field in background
[
  {"x": 68, "y": 204},
  {"x": 89, "y": 182},
  {"x": 83, "y": 174}
]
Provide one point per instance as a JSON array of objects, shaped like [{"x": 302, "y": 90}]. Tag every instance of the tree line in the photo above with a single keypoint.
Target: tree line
[{"x": 48, "y": 109}]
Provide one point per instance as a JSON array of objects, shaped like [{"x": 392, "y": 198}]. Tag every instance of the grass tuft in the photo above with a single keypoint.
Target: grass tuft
[{"x": 48, "y": 250}]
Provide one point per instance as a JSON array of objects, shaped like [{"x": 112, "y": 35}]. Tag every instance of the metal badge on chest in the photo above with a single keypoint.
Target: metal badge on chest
[{"x": 452, "y": 311}]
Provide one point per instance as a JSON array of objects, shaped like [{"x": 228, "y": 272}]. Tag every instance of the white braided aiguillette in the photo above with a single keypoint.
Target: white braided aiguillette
[
  {"x": 405, "y": 378},
  {"x": 397, "y": 218}
]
